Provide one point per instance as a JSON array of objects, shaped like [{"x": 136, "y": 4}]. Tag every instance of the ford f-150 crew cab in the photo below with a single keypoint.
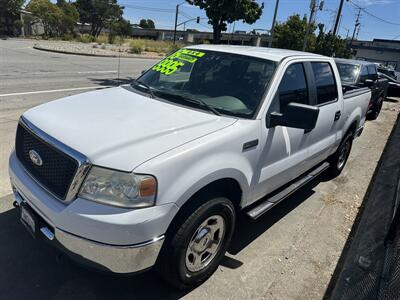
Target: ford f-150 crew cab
[{"x": 154, "y": 173}]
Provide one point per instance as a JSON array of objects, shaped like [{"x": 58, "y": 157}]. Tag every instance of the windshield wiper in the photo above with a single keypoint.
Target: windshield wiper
[
  {"x": 148, "y": 88},
  {"x": 189, "y": 99}
]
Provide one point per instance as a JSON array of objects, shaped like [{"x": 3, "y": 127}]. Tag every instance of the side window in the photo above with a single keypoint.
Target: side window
[
  {"x": 325, "y": 82},
  {"x": 293, "y": 87},
  {"x": 363, "y": 74}
]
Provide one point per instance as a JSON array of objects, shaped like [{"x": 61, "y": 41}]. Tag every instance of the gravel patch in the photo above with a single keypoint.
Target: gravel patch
[{"x": 92, "y": 49}]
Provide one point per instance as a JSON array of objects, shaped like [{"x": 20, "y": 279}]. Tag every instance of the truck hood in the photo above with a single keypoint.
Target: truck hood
[{"x": 120, "y": 129}]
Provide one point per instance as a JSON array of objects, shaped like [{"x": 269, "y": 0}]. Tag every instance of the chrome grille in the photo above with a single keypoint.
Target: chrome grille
[{"x": 59, "y": 172}]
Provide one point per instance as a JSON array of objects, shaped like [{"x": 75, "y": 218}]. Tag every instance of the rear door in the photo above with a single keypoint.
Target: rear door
[{"x": 325, "y": 136}]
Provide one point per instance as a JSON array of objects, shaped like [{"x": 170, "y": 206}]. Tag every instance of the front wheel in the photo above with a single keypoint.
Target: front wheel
[
  {"x": 339, "y": 159},
  {"x": 192, "y": 253}
]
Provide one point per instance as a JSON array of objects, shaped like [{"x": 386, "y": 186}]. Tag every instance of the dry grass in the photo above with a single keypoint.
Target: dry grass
[{"x": 141, "y": 45}]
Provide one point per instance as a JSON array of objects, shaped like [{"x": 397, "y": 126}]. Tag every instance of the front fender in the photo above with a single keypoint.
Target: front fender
[
  {"x": 183, "y": 171},
  {"x": 188, "y": 178}
]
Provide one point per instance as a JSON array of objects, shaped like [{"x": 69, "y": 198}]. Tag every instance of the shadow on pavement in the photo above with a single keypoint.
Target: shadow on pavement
[
  {"x": 31, "y": 267},
  {"x": 248, "y": 230},
  {"x": 111, "y": 81},
  {"x": 391, "y": 99}
]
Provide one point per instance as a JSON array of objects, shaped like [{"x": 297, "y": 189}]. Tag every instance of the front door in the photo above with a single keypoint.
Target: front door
[{"x": 284, "y": 150}]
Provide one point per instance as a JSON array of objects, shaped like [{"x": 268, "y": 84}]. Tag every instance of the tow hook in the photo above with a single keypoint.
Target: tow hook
[{"x": 16, "y": 204}]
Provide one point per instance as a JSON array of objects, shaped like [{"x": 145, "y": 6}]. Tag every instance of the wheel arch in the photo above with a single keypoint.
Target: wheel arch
[{"x": 223, "y": 187}]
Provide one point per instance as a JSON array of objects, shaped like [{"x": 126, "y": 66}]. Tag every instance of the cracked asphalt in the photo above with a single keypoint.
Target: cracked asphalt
[{"x": 289, "y": 253}]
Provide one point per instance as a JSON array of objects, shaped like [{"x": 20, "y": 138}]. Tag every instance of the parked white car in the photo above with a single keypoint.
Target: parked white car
[{"x": 154, "y": 173}]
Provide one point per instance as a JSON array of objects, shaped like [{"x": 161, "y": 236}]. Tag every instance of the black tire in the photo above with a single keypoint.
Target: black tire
[
  {"x": 373, "y": 115},
  {"x": 339, "y": 159},
  {"x": 174, "y": 262}
]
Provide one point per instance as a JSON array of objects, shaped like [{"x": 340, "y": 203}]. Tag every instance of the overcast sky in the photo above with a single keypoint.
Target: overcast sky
[{"x": 163, "y": 14}]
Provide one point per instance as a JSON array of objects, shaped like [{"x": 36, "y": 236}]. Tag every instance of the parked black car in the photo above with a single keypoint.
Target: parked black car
[
  {"x": 358, "y": 73},
  {"x": 387, "y": 71},
  {"x": 394, "y": 85}
]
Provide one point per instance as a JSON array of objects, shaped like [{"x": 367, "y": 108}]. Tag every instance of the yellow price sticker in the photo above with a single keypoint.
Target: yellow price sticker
[{"x": 173, "y": 62}]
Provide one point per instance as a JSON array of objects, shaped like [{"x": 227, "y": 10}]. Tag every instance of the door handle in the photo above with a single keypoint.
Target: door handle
[{"x": 338, "y": 114}]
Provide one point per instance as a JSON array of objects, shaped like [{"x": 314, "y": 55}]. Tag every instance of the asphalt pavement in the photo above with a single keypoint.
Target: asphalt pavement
[
  {"x": 289, "y": 253},
  {"x": 30, "y": 77}
]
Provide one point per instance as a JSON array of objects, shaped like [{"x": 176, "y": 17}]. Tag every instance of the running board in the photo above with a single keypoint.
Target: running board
[{"x": 266, "y": 205}]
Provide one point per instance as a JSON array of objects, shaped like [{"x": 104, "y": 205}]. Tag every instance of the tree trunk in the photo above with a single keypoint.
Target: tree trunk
[{"x": 216, "y": 34}]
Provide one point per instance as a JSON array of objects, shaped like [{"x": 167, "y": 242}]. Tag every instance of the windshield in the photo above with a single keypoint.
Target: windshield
[
  {"x": 348, "y": 72},
  {"x": 215, "y": 81},
  {"x": 389, "y": 73}
]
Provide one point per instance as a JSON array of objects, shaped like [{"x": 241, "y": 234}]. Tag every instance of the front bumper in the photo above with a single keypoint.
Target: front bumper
[
  {"x": 107, "y": 238},
  {"x": 116, "y": 259}
]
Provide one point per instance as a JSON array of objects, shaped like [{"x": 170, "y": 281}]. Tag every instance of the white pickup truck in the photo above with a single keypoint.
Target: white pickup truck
[{"x": 154, "y": 173}]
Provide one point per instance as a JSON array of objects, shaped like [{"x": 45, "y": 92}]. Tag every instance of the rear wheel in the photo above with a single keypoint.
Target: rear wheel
[
  {"x": 192, "y": 253},
  {"x": 339, "y": 159},
  {"x": 373, "y": 115}
]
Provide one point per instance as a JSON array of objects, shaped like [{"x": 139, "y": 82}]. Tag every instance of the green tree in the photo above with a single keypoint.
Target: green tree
[
  {"x": 124, "y": 28},
  {"x": 222, "y": 12},
  {"x": 70, "y": 17},
  {"x": 49, "y": 14},
  {"x": 290, "y": 34},
  {"x": 147, "y": 23},
  {"x": 9, "y": 15},
  {"x": 328, "y": 44},
  {"x": 99, "y": 13}
]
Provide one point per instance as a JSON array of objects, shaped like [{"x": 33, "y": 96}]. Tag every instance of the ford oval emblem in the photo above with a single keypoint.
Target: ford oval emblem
[{"x": 35, "y": 158}]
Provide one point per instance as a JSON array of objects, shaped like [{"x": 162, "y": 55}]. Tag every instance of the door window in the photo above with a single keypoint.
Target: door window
[
  {"x": 325, "y": 82},
  {"x": 363, "y": 74},
  {"x": 372, "y": 74},
  {"x": 293, "y": 87}
]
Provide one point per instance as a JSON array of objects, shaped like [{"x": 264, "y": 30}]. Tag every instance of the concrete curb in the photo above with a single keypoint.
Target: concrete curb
[{"x": 95, "y": 55}]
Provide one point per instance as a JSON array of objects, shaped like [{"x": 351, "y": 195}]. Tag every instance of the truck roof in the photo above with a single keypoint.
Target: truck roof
[
  {"x": 273, "y": 54},
  {"x": 353, "y": 61}
]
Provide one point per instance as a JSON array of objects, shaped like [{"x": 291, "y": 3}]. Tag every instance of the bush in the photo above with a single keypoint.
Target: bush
[
  {"x": 86, "y": 38},
  {"x": 102, "y": 39},
  {"x": 67, "y": 37},
  {"x": 136, "y": 50},
  {"x": 136, "y": 46}
]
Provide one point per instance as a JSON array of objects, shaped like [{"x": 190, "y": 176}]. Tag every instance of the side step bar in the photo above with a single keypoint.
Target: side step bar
[{"x": 266, "y": 205}]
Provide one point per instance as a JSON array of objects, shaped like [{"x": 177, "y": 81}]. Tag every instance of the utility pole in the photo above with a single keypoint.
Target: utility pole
[
  {"x": 271, "y": 36},
  {"x": 356, "y": 26},
  {"x": 310, "y": 20},
  {"x": 176, "y": 21},
  {"x": 339, "y": 14}
]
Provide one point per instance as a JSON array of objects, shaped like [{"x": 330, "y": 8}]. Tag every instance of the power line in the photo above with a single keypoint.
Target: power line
[
  {"x": 191, "y": 17},
  {"x": 372, "y": 15},
  {"x": 152, "y": 9}
]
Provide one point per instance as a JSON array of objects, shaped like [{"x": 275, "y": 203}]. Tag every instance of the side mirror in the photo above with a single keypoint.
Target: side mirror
[
  {"x": 368, "y": 82},
  {"x": 296, "y": 115}
]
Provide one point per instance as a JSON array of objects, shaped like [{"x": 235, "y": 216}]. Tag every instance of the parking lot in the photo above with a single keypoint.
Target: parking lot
[{"x": 289, "y": 253}]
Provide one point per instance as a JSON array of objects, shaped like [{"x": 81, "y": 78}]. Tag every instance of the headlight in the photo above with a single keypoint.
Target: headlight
[{"x": 119, "y": 188}]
